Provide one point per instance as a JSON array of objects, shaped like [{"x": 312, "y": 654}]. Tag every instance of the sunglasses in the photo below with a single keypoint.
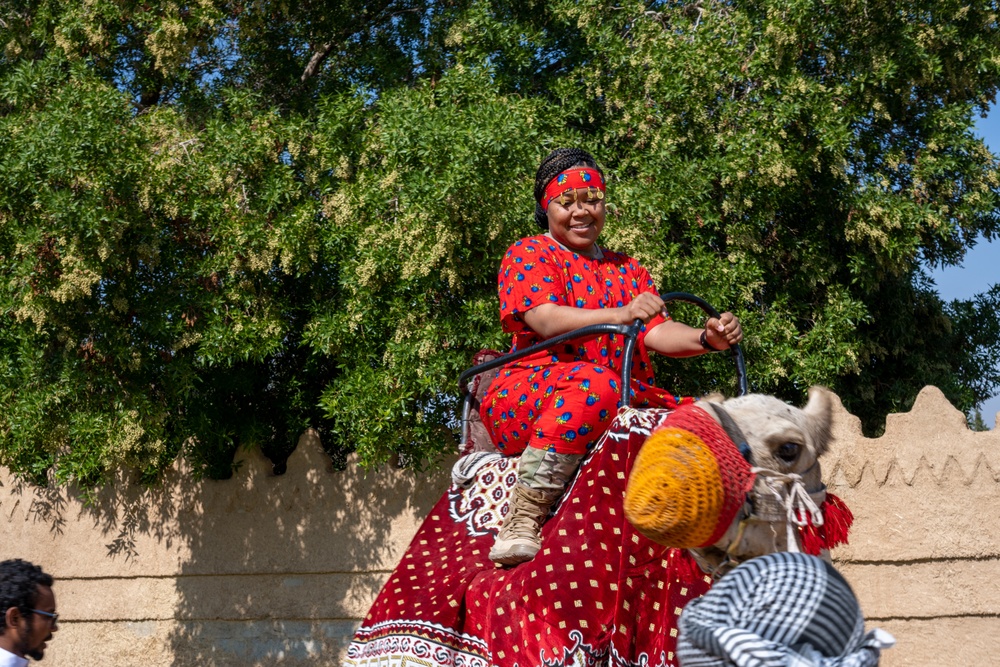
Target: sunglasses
[
  {"x": 587, "y": 196},
  {"x": 52, "y": 615}
]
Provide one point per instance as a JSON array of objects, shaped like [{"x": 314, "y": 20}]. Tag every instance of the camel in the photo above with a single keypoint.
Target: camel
[
  {"x": 599, "y": 591},
  {"x": 782, "y": 445}
]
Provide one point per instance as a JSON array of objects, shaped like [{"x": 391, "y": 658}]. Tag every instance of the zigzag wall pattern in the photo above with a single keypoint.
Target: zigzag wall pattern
[{"x": 265, "y": 570}]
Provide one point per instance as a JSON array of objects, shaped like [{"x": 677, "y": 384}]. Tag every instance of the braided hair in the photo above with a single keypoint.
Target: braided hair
[
  {"x": 19, "y": 582},
  {"x": 554, "y": 164}
]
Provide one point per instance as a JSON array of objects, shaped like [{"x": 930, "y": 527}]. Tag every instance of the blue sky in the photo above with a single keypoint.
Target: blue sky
[{"x": 981, "y": 268}]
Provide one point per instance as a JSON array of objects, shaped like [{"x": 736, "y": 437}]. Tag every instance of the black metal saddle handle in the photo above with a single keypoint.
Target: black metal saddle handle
[
  {"x": 631, "y": 333},
  {"x": 735, "y": 350}
]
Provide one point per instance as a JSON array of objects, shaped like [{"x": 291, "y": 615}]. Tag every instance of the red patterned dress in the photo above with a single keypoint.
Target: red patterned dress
[{"x": 564, "y": 399}]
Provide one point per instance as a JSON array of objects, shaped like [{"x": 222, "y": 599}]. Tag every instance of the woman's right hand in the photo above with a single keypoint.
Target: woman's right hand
[{"x": 645, "y": 307}]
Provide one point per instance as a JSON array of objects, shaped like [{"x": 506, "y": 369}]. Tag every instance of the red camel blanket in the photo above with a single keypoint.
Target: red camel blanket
[{"x": 597, "y": 592}]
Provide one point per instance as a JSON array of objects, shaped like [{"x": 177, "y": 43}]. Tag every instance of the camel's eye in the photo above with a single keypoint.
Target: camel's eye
[{"x": 788, "y": 451}]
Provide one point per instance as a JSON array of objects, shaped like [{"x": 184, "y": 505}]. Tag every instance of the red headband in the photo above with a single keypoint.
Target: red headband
[{"x": 571, "y": 179}]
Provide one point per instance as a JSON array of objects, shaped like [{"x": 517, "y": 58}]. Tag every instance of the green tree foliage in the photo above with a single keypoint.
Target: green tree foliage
[{"x": 224, "y": 221}]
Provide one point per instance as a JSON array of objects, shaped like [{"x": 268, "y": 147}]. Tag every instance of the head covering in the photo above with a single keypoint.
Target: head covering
[
  {"x": 688, "y": 482},
  {"x": 575, "y": 178},
  {"x": 780, "y": 610}
]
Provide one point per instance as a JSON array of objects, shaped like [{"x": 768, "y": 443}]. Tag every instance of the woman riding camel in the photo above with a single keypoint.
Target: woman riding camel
[{"x": 553, "y": 406}]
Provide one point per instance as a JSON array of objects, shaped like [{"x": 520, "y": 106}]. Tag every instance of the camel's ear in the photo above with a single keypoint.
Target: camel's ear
[
  {"x": 714, "y": 397},
  {"x": 818, "y": 413}
]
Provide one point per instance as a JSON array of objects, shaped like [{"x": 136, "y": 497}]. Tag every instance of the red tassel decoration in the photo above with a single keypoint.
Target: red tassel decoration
[
  {"x": 812, "y": 541},
  {"x": 837, "y": 521}
]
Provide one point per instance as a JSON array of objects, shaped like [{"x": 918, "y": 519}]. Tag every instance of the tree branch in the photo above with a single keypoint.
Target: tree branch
[{"x": 316, "y": 60}]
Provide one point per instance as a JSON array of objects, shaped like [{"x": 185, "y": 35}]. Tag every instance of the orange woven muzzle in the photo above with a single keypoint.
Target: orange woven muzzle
[{"x": 687, "y": 483}]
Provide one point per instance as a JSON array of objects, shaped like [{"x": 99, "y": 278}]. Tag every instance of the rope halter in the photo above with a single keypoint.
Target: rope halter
[{"x": 801, "y": 508}]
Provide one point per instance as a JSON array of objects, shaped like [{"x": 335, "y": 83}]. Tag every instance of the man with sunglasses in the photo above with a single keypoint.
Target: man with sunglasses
[{"x": 28, "y": 609}]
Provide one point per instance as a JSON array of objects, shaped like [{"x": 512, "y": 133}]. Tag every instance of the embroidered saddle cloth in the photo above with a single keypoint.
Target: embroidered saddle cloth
[{"x": 597, "y": 592}]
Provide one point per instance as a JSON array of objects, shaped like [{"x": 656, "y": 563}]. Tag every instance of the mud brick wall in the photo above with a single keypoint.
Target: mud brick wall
[
  {"x": 279, "y": 570},
  {"x": 924, "y": 557}
]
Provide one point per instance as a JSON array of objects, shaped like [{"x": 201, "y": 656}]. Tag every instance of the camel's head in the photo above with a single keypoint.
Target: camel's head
[
  {"x": 785, "y": 444},
  {"x": 780, "y": 436},
  {"x": 689, "y": 488}
]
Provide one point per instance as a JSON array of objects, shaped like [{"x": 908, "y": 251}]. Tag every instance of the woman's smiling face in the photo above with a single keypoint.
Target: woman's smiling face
[{"x": 577, "y": 224}]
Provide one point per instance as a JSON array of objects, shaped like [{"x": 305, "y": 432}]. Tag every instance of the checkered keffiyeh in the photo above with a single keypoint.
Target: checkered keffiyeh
[{"x": 780, "y": 610}]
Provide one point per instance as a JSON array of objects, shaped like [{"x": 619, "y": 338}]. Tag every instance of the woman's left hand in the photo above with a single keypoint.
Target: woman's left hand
[{"x": 723, "y": 331}]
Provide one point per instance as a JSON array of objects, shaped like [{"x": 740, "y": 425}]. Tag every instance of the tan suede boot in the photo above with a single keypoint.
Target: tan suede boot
[
  {"x": 519, "y": 537},
  {"x": 542, "y": 478}
]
